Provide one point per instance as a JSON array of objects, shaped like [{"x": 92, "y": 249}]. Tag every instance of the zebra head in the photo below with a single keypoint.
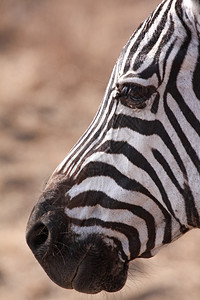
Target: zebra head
[{"x": 131, "y": 183}]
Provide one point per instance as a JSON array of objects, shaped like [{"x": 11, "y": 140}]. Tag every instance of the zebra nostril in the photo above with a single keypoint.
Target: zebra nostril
[{"x": 37, "y": 236}]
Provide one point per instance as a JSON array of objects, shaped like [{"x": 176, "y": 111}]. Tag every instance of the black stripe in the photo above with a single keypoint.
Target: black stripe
[
  {"x": 135, "y": 46},
  {"x": 149, "y": 128},
  {"x": 86, "y": 141},
  {"x": 177, "y": 63},
  {"x": 183, "y": 138},
  {"x": 141, "y": 162},
  {"x": 130, "y": 232},
  {"x": 173, "y": 90},
  {"x": 154, "y": 68},
  {"x": 162, "y": 161},
  {"x": 195, "y": 80},
  {"x": 155, "y": 105},
  {"x": 100, "y": 169},
  {"x": 92, "y": 198},
  {"x": 191, "y": 211},
  {"x": 151, "y": 43},
  {"x": 103, "y": 129},
  {"x": 171, "y": 47}
]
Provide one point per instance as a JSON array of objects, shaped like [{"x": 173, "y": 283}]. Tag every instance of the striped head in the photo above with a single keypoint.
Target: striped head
[{"x": 131, "y": 183}]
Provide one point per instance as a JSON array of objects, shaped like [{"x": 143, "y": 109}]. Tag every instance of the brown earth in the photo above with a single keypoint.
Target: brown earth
[{"x": 55, "y": 61}]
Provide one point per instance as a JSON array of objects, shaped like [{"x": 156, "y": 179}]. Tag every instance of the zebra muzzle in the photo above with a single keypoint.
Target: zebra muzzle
[{"x": 86, "y": 264}]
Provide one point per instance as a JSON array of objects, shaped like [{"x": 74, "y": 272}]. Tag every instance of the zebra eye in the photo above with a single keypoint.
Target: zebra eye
[{"x": 134, "y": 95}]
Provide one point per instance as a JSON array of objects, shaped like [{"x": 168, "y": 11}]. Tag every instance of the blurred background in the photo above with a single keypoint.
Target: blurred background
[{"x": 55, "y": 61}]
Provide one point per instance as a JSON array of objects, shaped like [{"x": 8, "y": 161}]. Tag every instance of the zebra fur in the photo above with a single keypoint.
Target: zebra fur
[{"x": 133, "y": 177}]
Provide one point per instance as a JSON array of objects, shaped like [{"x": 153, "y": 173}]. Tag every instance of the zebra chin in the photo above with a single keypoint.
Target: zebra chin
[{"x": 89, "y": 265}]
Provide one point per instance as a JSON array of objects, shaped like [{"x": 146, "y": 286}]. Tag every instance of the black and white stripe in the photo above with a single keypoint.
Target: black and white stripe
[{"x": 136, "y": 170}]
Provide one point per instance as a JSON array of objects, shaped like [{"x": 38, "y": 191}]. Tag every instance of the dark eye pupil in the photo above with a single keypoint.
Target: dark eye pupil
[{"x": 134, "y": 94}]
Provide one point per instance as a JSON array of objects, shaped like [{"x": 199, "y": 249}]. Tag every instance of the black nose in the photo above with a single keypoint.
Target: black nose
[
  {"x": 37, "y": 236},
  {"x": 86, "y": 264},
  {"x": 46, "y": 231},
  {"x": 48, "y": 238}
]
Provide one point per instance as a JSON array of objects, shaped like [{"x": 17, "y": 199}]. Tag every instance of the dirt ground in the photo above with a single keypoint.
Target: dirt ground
[{"x": 55, "y": 61}]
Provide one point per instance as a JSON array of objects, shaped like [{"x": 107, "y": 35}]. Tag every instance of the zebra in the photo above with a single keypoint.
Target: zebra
[{"x": 130, "y": 185}]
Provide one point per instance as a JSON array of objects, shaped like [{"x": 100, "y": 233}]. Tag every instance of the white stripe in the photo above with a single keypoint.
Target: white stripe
[
  {"x": 112, "y": 215},
  {"x": 91, "y": 145},
  {"x": 90, "y": 132},
  {"x": 83, "y": 232}
]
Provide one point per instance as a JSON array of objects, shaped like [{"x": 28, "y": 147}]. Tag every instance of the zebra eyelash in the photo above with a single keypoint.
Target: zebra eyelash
[{"x": 134, "y": 95}]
